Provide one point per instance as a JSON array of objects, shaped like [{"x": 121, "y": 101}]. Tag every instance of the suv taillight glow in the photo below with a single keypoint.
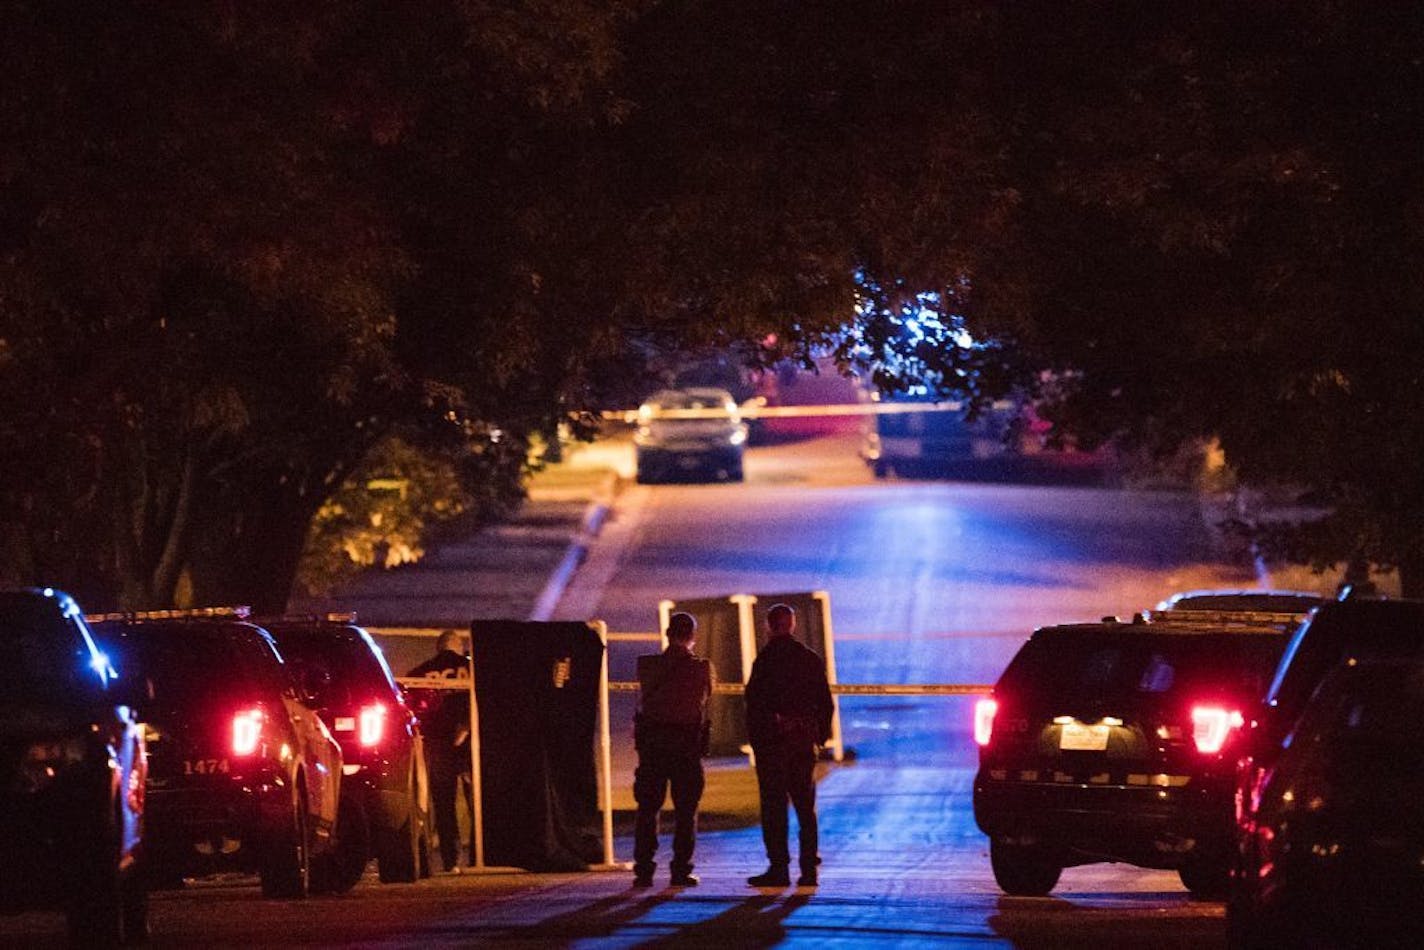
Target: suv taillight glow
[
  {"x": 1212, "y": 725},
  {"x": 984, "y": 712},
  {"x": 371, "y": 724},
  {"x": 246, "y": 731}
]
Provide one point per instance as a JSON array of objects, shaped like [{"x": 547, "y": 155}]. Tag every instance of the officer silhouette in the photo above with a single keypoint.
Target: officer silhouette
[
  {"x": 445, "y": 722},
  {"x": 789, "y": 712},
  {"x": 670, "y": 732}
]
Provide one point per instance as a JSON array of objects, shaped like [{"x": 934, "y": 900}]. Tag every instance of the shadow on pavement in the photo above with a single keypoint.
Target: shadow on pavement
[
  {"x": 1045, "y": 923},
  {"x": 601, "y": 918},
  {"x": 758, "y": 921}
]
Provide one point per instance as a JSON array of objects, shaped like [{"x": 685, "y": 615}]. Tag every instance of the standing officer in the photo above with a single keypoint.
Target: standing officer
[
  {"x": 445, "y": 722},
  {"x": 670, "y": 732},
  {"x": 789, "y": 712}
]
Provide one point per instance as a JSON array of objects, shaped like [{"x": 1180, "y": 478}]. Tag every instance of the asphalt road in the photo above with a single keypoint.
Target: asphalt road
[{"x": 930, "y": 581}]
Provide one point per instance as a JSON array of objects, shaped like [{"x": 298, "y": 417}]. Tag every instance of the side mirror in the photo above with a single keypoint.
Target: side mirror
[
  {"x": 1264, "y": 732},
  {"x": 311, "y": 683},
  {"x": 132, "y": 690}
]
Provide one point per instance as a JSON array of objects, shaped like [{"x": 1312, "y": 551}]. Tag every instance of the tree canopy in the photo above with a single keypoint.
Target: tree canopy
[{"x": 245, "y": 246}]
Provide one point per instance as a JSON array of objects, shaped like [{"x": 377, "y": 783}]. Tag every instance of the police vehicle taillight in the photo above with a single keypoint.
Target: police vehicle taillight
[
  {"x": 1212, "y": 726},
  {"x": 371, "y": 725},
  {"x": 984, "y": 712},
  {"x": 246, "y": 731}
]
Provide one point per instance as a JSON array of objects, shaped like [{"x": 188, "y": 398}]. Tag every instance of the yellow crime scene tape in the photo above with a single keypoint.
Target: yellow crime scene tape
[
  {"x": 853, "y": 689},
  {"x": 753, "y": 411},
  {"x": 737, "y": 689},
  {"x": 725, "y": 689}
]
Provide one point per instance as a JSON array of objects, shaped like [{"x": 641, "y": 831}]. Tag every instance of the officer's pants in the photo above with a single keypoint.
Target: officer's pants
[
  {"x": 444, "y": 770},
  {"x": 788, "y": 771},
  {"x": 657, "y": 770}
]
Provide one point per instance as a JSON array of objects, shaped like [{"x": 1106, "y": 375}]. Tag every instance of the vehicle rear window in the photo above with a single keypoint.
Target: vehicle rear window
[
  {"x": 1363, "y": 630},
  {"x": 191, "y": 667},
  {"x": 1369, "y": 707},
  {"x": 348, "y": 671},
  {"x": 41, "y": 653},
  {"x": 1074, "y": 665}
]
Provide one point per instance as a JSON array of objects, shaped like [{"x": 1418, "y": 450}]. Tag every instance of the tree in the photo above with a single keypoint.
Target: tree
[
  {"x": 206, "y": 249},
  {"x": 242, "y": 245},
  {"x": 1220, "y": 230}
]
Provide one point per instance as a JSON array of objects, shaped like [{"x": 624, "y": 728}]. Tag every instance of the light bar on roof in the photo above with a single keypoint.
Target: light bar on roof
[{"x": 236, "y": 612}]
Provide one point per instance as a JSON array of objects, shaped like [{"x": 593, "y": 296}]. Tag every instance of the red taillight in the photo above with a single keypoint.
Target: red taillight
[
  {"x": 372, "y": 724},
  {"x": 246, "y": 731},
  {"x": 984, "y": 711},
  {"x": 1212, "y": 725}
]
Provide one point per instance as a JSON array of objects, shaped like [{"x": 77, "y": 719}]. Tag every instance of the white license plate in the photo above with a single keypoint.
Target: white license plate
[{"x": 1081, "y": 737}]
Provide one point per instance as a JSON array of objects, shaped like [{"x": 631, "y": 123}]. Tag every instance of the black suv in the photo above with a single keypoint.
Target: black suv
[
  {"x": 1351, "y": 629},
  {"x": 1338, "y": 855},
  {"x": 1114, "y": 742},
  {"x": 72, "y": 764},
  {"x": 243, "y": 776},
  {"x": 385, "y": 797}
]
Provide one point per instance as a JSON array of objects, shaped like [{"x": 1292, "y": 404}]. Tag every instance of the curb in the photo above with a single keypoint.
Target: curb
[{"x": 590, "y": 525}]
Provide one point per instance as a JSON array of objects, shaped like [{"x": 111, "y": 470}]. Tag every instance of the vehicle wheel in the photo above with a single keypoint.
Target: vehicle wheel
[
  {"x": 1023, "y": 871},
  {"x": 109, "y": 908},
  {"x": 286, "y": 867},
  {"x": 133, "y": 908},
  {"x": 95, "y": 916},
  {"x": 341, "y": 868},
  {"x": 1207, "y": 879},
  {"x": 398, "y": 850},
  {"x": 425, "y": 869},
  {"x": 736, "y": 473}
]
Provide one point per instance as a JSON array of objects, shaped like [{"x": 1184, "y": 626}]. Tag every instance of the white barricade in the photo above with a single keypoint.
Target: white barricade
[{"x": 605, "y": 740}]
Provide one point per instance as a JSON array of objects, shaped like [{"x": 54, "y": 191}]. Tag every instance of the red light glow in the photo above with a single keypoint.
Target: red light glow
[
  {"x": 372, "y": 724},
  {"x": 1212, "y": 725},
  {"x": 246, "y": 731},
  {"x": 984, "y": 711}
]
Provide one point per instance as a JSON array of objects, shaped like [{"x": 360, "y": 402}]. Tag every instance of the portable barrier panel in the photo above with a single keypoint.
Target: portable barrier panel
[
  {"x": 720, "y": 639},
  {"x": 539, "y": 688},
  {"x": 730, "y": 633}
]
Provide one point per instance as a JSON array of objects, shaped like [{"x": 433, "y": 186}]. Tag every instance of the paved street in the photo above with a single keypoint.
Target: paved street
[{"x": 930, "y": 582}]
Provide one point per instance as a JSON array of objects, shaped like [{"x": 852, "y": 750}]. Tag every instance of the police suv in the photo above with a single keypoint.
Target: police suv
[
  {"x": 72, "y": 767},
  {"x": 1115, "y": 742},
  {"x": 243, "y": 775},
  {"x": 385, "y": 800}
]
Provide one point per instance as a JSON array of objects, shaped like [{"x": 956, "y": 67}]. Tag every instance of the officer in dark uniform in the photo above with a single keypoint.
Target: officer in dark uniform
[
  {"x": 789, "y": 712},
  {"x": 445, "y": 723},
  {"x": 670, "y": 732}
]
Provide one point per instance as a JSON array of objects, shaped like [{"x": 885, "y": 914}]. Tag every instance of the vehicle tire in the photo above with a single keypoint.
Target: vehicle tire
[
  {"x": 1023, "y": 870},
  {"x": 1207, "y": 879},
  {"x": 341, "y": 868},
  {"x": 398, "y": 850},
  {"x": 736, "y": 473},
  {"x": 133, "y": 908},
  {"x": 95, "y": 915},
  {"x": 425, "y": 869},
  {"x": 286, "y": 866},
  {"x": 108, "y": 908},
  {"x": 1240, "y": 928}
]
